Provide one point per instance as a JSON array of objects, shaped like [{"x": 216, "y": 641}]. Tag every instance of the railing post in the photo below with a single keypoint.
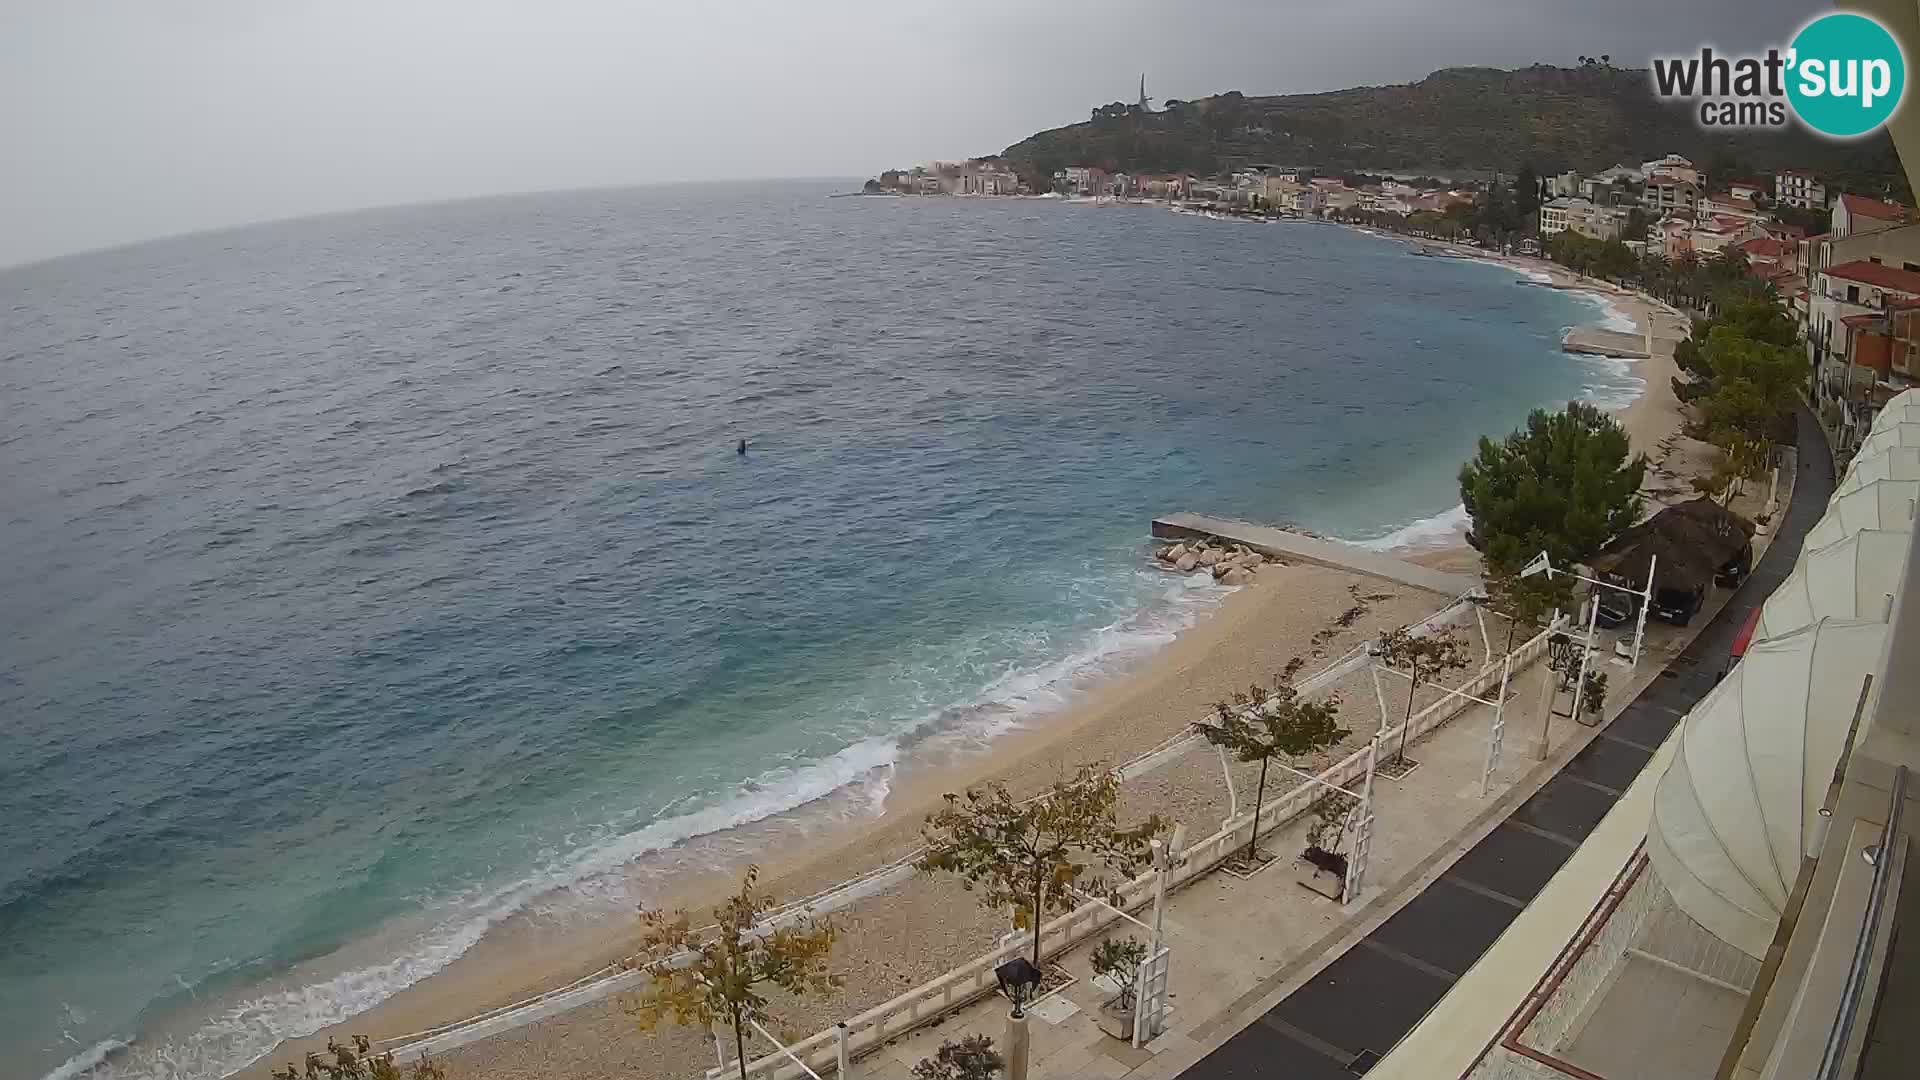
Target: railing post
[{"x": 843, "y": 1061}]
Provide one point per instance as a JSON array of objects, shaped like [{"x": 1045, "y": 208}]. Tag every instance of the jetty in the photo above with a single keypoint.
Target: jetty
[
  {"x": 1289, "y": 546},
  {"x": 1595, "y": 341}
]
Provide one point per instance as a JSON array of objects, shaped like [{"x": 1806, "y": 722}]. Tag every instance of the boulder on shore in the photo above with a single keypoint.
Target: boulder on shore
[
  {"x": 1186, "y": 562},
  {"x": 1209, "y": 557},
  {"x": 1173, "y": 553},
  {"x": 1236, "y": 576}
]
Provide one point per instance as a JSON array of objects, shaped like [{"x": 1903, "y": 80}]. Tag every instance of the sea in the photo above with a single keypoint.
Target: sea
[{"x": 370, "y": 577}]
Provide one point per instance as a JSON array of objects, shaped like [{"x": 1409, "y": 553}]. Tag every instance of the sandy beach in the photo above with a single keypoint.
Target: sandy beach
[{"x": 919, "y": 929}]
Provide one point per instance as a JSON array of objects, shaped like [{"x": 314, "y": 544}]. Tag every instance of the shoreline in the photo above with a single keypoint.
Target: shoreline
[{"x": 1124, "y": 712}]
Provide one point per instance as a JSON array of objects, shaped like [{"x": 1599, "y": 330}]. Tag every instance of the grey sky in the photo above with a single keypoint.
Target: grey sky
[{"x": 127, "y": 119}]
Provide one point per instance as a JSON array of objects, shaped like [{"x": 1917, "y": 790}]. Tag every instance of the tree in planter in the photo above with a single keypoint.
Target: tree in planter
[
  {"x": 1120, "y": 960},
  {"x": 1037, "y": 856},
  {"x": 1261, "y": 724},
  {"x": 722, "y": 984},
  {"x": 969, "y": 1058},
  {"x": 1425, "y": 657},
  {"x": 1594, "y": 697},
  {"x": 1329, "y": 822}
]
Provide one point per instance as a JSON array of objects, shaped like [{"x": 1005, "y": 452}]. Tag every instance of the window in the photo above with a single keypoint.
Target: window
[{"x": 1853, "y": 294}]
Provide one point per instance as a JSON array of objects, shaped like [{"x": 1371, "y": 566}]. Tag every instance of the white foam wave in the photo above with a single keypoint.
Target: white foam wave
[
  {"x": 1440, "y": 530},
  {"x": 1612, "y": 316},
  {"x": 86, "y": 1060},
  {"x": 242, "y": 1034}
]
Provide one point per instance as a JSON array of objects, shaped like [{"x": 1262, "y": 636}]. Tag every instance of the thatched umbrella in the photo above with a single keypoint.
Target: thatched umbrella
[{"x": 1692, "y": 541}]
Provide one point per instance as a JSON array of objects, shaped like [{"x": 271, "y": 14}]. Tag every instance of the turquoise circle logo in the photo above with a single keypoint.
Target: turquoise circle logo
[{"x": 1848, "y": 75}]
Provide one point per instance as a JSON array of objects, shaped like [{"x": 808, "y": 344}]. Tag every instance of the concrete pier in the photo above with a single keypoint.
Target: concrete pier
[
  {"x": 1598, "y": 342},
  {"x": 1295, "y": 547}
]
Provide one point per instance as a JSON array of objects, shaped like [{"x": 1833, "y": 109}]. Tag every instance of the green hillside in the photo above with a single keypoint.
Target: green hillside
[{"x": 1456, "y": 121}]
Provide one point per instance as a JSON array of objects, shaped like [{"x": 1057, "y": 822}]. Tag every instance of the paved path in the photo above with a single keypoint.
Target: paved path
[
  {"x": 1359, "y": 1006},
  {"x": 1296, "y": 547}
]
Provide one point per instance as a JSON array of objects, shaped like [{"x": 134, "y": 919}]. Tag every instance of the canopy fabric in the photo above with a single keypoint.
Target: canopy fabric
[
  {"x": 1854, "y": 578},
  {"x": 1892, "y": 463},
  {"x": 1894, "y": 434},
  {"x": 1739, "y": 803},
  {"x": 1881, "y": 504},
  {"x": 1902, "y": 408},
  {"x": 1686, "y": 544}
]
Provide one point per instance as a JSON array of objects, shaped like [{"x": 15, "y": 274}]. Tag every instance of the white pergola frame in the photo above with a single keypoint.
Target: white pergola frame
[{"x": 1496, "y": 731}]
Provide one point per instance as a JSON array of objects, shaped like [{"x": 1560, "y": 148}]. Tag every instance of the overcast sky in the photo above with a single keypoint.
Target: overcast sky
[{"x": 127, "y": 119}]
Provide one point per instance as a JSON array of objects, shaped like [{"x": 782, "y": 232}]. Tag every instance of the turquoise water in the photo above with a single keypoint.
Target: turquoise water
[{"x": 382, "y": 572}]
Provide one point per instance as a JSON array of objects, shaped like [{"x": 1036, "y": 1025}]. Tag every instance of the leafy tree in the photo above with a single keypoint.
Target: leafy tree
[
  {"x": 1525, "y": 600},
  {"x": 1526, "y": 193},
  {"x": 1330, "y": 820},
  {"x": 358, "y": 1062},
  {"x": 1038, "y": 856},
  {"x": 729, "y": 966},
  {"x": 1120, "y": 960},
  {"x": 1261, "y": 724},
  {"x": 1425, "y": 658},
  {"x": 969, "y": 1058},
  {"x": 1565, "y": 484}
]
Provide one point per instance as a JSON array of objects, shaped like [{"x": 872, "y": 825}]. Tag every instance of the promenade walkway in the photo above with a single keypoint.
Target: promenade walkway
[
  {"x": 1297, "y": 547},
  {"x": 1352, "y": 1011}
]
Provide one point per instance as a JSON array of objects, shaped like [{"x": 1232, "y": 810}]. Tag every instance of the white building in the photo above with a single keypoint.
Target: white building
[{"x": 1798, "y": 187}]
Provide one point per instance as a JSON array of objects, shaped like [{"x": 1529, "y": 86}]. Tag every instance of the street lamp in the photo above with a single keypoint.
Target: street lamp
[{"x": 1019, "y": 981}]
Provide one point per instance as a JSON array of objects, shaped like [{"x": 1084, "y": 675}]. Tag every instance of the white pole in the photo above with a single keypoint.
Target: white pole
[
  {"x": 1163, "y": 865},
  {"x": 844, "y": 1063},
  {"x": 719, "y": 1048},
  {"x": 1499, "y": 728},
  {"x": 1486, "y": 642},
  {"x": 1355, "y": 883},
  {"x": 1233, "y": 800},
  {"x": 1379, "y": 695},
  {"x": 1640, "y": 623},
  {"x": 1586, "y": 654}
]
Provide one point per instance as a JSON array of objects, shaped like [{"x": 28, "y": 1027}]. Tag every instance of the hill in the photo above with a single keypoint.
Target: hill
[{"x": 1455, "y": 122}]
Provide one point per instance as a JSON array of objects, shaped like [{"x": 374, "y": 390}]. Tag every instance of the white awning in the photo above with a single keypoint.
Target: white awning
[
  {"x": 1739, "y": 805},
  {"x": 1902, "y": 408},
  {"x": 1855, "y": 578},
  {"x": 1894, "y": 434},
  {"x": 1892, "y": 463},
  {"x": 1882, "y": 504}
]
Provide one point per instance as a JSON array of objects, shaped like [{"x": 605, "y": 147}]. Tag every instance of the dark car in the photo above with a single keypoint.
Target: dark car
[
  {"x": 1735, "y": 570},
  {"x": 1677, "y": 606}
]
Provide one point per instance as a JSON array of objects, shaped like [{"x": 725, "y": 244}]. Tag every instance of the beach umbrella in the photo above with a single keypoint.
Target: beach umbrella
[
  {"x": 1855, "y": 578},
  {"x": 1881, "y": 504},
  {"x": 1892, "y": 463},
  {"x": 1739, "y": 803},
  {"x": 1687, "y": 544},
  {"x": 1895, "y": 434}
]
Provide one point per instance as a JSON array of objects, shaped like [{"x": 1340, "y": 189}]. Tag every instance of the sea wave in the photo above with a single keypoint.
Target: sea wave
[
  {"x": 243, "y": 1033},
  {"x": 87, "y": 1060},
  {"x": 1441, "y": 530}
]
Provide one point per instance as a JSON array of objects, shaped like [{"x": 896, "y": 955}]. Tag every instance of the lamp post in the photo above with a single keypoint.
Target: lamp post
[{"x": 1019, "y": 980}]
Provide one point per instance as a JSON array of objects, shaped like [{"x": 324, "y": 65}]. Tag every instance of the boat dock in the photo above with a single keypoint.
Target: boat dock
[{"x": 1297, "y": 547}]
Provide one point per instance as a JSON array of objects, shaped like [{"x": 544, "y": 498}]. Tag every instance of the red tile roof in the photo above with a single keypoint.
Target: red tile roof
[
  {"x": 1863, "y": 319},
  {"x": 1766, "y": 247},
  {"x": 1872, "y": 273},
  {"x": 1874, "y": 208}
]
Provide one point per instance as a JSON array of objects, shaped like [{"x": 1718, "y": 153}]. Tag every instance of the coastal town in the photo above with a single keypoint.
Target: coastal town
[{"x": 1845, "y": 265}]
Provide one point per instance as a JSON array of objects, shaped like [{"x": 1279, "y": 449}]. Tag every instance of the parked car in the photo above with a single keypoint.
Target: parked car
[
  {"x": 1677, "y": 606},
  {"x": 1735, "y": 570}
]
